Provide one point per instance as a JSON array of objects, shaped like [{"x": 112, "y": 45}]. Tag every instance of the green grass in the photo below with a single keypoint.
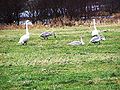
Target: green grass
[{"x": 53, "y": 65}]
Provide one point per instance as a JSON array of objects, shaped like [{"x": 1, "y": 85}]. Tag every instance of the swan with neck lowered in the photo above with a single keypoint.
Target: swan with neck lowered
[
  {"x": 45, "y": 35},
  {"x": 24, "y": 39},
  {"x": 97, "y": 39},
  {"x": 74, "y": 43}
]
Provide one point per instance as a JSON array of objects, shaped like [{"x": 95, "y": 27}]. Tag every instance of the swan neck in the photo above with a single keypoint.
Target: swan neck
[
  {"x": 82, "y": 40},
  {"x": 26, "y": 26},
  {"x": 94, "y": 24}
]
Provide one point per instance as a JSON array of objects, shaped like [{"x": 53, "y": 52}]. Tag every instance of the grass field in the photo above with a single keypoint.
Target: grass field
[{"x": 53, "y": 65}]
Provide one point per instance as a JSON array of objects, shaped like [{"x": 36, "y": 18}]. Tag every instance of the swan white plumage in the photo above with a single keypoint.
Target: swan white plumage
[
  {"x": 77, "y": 42},
  {"x": 95, "y": 32},
  {"x": 24, "y": 39}
]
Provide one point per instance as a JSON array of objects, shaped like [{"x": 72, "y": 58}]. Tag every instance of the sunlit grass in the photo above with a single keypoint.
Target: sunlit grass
[{"x": 52, "y": 64}]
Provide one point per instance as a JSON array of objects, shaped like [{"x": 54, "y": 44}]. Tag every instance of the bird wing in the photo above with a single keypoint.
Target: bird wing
[
  {"x": 95, "y": 39},
  {"x": 24, "y": 38}
]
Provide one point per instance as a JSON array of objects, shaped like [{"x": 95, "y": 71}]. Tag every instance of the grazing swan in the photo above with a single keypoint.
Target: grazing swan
[
  {"x": 95, "y": 32},
  {"x": 95, "y": 39},
  {"x": 77, "y": 42},
  {"x": 24, "y": 39},
  {"x": 45, "y": 35}
]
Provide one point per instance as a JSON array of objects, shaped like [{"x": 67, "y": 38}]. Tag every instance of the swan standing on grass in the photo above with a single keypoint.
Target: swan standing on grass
[
  {"x": 45, "y": 35},
  {"x": 74, "y": 43},
  {"x": 24, "y": 39},
  {"x": 96, "y": 32}
]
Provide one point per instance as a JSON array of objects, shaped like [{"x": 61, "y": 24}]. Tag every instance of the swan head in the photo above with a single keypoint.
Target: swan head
[
  {"x": 27, "y": 21},
  {"x": 93, "y": 19},
  {"x": 81, "y": 40}
]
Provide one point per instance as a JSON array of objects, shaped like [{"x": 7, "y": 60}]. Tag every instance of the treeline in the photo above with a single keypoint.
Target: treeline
[{"x": 56, "y": 10}]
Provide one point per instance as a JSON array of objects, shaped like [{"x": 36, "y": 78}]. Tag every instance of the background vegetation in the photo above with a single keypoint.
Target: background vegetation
[{"x": 53, "y": 11}]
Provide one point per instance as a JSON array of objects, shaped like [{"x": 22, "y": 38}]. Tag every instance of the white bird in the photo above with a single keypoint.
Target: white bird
[
  {"x": 74, "y": 43},
  {"x": 45, "y": 35},
  {"x": 24, "y": 39},
  {"x": 95, "y": 32}
]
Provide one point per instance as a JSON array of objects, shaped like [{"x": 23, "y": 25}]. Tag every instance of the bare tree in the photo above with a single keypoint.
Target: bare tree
[{"x": 58, "y": 10}]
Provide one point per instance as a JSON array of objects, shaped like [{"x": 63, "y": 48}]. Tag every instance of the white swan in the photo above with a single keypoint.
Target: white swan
[
  {"x": 95, "y": 32},
  {"x": 24, "y": 39},
  {"x": 77, "y": 42}
]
